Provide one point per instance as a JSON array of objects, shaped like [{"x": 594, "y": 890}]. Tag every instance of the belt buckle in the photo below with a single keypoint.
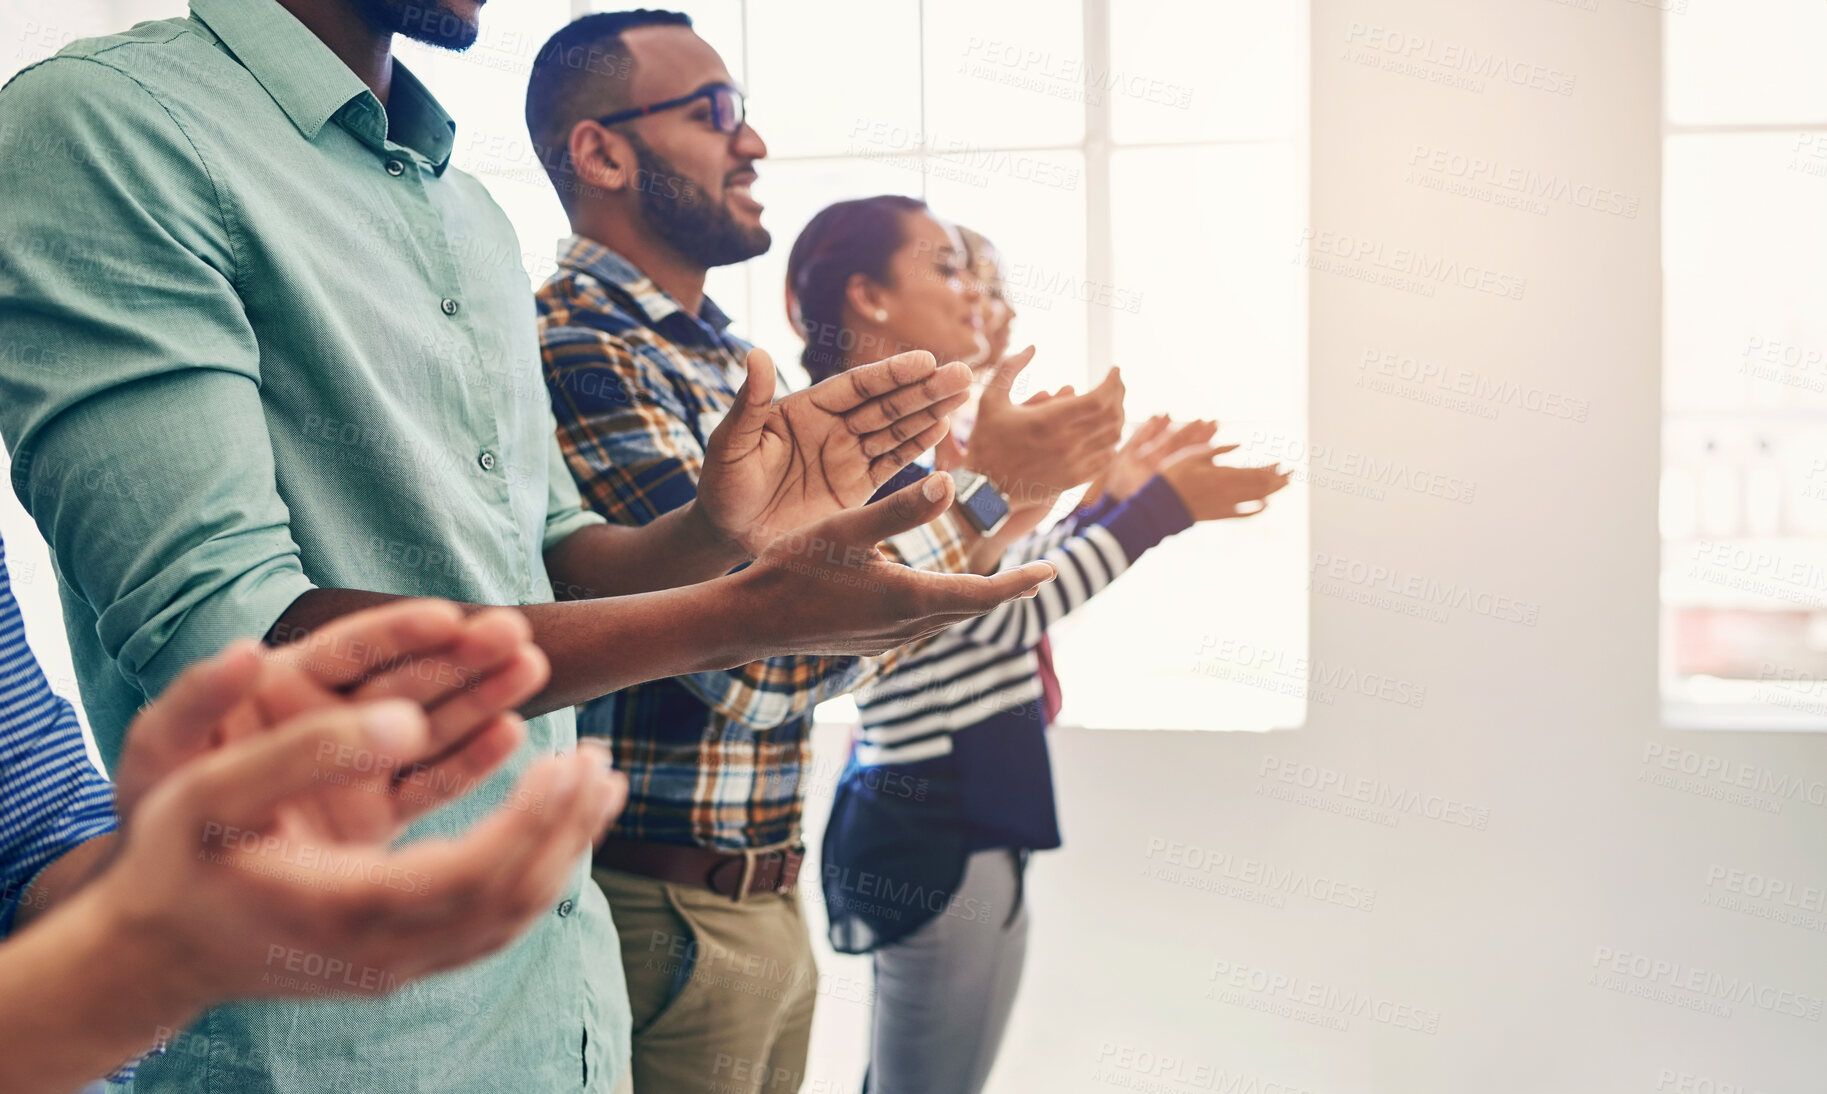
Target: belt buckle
[{"x": 750, "y": 858}]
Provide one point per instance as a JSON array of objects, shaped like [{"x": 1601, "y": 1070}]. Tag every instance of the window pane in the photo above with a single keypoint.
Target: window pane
[
  {"x": 792, "y": 192},
  {"x": 1004, "y": 75},
  {"x": 1744, "y": 479},
  {"x": 1032, "y": 206},
  {"x": 824, "y": 73},
  {"x": 1745, "y": 266},
  {"x": 1193, "y": 70},
  {"x": 1208, "y": 323},
  {"x": 1746, "y": 61},
  {"x": 1207, "y": 297}
]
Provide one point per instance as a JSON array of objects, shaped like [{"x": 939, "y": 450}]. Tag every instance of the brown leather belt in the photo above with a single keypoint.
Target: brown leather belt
[{"x": 734, "y": 875}]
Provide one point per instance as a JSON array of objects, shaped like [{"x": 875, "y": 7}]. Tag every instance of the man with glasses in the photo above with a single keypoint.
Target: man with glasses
[
  {"x": 267, "y": 358},
  {"x": 644, "y": 135}
]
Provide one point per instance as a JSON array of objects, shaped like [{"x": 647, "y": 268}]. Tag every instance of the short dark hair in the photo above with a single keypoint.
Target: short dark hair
[
  {"x": 851, "y": 237},
  {"x": 582, "y": 72}
]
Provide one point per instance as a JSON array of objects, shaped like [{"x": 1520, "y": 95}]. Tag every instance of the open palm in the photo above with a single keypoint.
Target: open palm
[{"x": 771, "y": 467}]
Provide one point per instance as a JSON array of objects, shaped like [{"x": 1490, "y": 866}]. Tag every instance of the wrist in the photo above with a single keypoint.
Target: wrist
[
  {"x": 163, "y": 973},
  {"x": 745, "y": 621},
  {"x": 700, "y": 533}
]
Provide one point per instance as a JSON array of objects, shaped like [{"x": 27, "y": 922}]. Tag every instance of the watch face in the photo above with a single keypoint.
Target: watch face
[{"x": 986, "y": 507}]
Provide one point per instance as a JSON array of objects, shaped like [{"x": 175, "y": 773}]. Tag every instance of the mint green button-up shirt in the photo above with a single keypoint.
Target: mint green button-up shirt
[{"x": 257, "y": 336}]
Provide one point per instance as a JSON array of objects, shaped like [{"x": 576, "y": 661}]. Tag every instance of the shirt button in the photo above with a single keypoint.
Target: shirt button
[
  {"x": 565, "y": 907},
  {"x": 395, "y": 168},
  {"x": 449, "y": 306},
  {"x": 486, "y": 461}
]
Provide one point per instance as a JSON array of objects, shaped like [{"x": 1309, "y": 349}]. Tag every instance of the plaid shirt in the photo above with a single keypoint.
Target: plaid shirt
[{"x": 714, "y": 759}]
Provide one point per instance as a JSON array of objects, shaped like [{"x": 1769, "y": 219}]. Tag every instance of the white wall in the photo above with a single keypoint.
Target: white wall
[{"x": 1543, "y": 728}]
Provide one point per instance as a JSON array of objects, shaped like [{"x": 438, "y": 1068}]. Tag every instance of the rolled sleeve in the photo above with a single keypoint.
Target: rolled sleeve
[
  {"x": 129, "y": 377},
  {"x": 565, "y": 512}
]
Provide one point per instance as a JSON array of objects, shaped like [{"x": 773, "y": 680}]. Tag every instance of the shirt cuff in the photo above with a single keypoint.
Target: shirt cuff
[{"x": 247, "y": 608}]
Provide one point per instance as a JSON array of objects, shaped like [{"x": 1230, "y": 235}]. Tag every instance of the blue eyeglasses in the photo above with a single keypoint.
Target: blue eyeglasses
[{"x": 728, "y": 110}]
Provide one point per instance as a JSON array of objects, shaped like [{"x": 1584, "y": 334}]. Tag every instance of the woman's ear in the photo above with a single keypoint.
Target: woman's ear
[{"x": 865, "y": 297}]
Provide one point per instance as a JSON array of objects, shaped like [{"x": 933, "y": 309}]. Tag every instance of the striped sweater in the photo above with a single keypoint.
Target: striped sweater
[{"x": 989, "y": 666}]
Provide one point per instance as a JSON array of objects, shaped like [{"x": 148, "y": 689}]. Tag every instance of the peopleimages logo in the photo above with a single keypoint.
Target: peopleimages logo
[
  {"x": 1458, "y": 388},
  {"x": 1614, "y": 967},
  {"x": 1420, "y": 589},
  {"x": 1522, "y": 181},
  {"x": 1453, "y": 57},
  {"x": 1190, "y": 859},
  {"x": 1406, "y": 262},
  {"x": 1373, "y": 793},
  {"x": 1313, "y": 1001}
]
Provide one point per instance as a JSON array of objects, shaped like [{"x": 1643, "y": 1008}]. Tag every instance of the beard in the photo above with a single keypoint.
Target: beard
[
  {"x": 428, "y": 21},
  {"x": 682, "y": 215}
]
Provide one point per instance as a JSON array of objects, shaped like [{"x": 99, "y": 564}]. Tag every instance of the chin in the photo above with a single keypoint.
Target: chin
[{"x": 448, "y": 24}]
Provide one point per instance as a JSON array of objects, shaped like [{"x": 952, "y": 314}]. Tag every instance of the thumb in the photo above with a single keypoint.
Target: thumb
[
  {"x": 1002, "y": 382},
  {"x": 187, "y": 713},
  {"x": 902, "y": 511},
  {"x": 740, "y": 431},
  {"x": 1111, "y": 386}
]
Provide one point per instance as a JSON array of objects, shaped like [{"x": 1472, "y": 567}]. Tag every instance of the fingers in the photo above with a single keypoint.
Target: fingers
[
  {"x": 185, "y": 713},
  {"x": 1191, "y": 433},
  {"x": 742, "y": 428},
  {"x": 901, "y": 511},
  {"x": 885, "y": 440},
  {"x": 486, "y": 642},
  {"x": 1001, "y": 385},
  {"x": 514, "y": 862},
  {"x": 348, "y": 650},
  {"x": 854, "y": 387},
  {"x": 960, "y": 596},
  {"x": 883, "y": 467},
  {"x": 467, "y": 711},
  {"x": 198, "y": 711},
  {"x": 940, "y": 392},
  {"x": 423, "y": 788},
  {"x": 244, "y": 784},
  {"x": 1146, "y": 433}
]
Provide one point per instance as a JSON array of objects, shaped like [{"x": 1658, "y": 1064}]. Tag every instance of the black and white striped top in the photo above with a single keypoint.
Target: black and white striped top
[{"x": 989, "y": 666}]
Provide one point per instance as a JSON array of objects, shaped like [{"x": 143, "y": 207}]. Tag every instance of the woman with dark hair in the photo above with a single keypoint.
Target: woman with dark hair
[
  {"x": 842, "y": 262},
  {"x": 949, "y": 786}
]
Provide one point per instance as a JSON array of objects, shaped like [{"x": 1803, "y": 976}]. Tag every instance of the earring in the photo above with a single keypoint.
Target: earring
[{"x": 881, "y": 315}]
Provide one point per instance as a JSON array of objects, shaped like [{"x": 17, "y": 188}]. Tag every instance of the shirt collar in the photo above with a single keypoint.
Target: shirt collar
[
  {"x": 588, "y": 256},
  {"x": 312, "y": 85}
]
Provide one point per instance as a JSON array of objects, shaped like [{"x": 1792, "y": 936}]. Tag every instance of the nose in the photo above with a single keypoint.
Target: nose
[{"x": 748, "y": 143}]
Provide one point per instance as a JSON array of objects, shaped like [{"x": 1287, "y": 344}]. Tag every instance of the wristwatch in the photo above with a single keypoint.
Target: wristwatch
[{"x": 983, "y": 504}]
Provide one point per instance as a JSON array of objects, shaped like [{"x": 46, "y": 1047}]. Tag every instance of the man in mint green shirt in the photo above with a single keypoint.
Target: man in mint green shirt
[{"x": 266, "y": 358}]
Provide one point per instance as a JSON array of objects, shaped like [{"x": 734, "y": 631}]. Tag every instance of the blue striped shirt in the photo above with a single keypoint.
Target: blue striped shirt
[{"x": 51, "y": 796}]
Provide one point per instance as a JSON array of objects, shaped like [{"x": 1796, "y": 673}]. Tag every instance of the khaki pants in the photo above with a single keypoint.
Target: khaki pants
[{"x": 721, "y": 992}]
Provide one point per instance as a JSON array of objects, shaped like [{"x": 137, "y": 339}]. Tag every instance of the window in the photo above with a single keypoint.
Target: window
[
  {"x": 1141, "y": 165},
  {"x": 1744, "y": 443}
]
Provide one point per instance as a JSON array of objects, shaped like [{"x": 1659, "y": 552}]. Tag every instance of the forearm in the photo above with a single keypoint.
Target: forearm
[
  {"x": 602, "y": 645},
  {"x": 80, "y": 995},
  {"x": 58, "y": 881},
  {"x": 678, "y": 548}
]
